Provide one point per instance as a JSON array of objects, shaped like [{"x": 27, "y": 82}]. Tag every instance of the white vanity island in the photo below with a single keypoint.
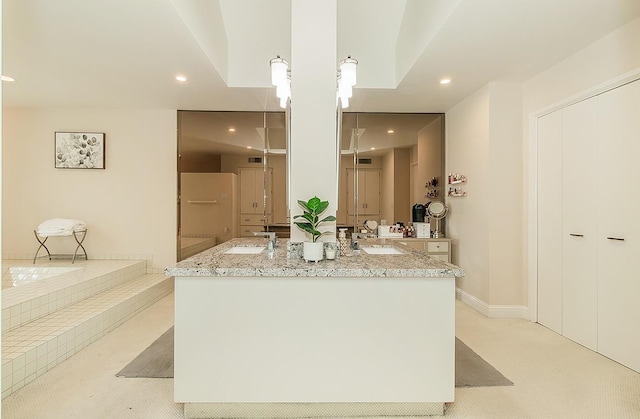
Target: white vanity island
[{"x": 365, "y": 335}]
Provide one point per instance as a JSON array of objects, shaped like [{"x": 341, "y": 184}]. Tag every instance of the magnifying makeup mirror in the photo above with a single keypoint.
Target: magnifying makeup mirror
[{"x": 437, "y": 210}]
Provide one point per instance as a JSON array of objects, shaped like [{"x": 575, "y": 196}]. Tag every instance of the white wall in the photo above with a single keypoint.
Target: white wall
[
  {"x": 505, "y": 194},
  {"x": 483, "y": 143},
  {"x": 129, "y": 207},
  {"x": 467, "y": 148}
]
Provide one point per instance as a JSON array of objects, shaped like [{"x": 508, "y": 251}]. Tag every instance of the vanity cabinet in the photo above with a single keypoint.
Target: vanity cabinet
[
  {"x": 368, "y": 193},
  {"x": 439, "y": 248},
  {"x": 253, "y": 212},
  {"x": 588, "y": 233}
]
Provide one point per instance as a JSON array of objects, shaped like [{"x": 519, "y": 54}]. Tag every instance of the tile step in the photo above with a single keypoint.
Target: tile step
[
  {"x": 34, "y": 348},
  {"x": 23, "y": 304}
]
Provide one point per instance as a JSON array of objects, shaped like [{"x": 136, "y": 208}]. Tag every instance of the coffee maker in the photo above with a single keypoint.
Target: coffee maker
[
  {"x": 422, "y": 228},
  {"x": 419, "y": 212}
]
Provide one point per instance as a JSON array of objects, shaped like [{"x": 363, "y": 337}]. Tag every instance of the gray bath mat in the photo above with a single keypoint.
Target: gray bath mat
[
  {"x": 157, "y": 362},
  {"x": 473, "y": 371},
  {"x": 154, "y": 362}
]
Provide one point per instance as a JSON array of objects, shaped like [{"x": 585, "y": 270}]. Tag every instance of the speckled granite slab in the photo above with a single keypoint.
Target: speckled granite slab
[{"x": 286, "y": 262}]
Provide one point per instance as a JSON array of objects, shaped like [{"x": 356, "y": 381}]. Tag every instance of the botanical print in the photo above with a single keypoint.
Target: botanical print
[{"x": 80, "y": 150}]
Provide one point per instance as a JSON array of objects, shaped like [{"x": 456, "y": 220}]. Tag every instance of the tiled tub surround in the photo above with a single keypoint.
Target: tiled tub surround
[
  {"x": 361, "y": 336},
  {"x": 47, "y": 321}
]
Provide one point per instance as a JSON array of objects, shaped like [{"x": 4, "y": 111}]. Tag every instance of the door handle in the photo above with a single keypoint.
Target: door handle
[
  {"x": 576, "y": 235},
  {"x": 615, "y": 238}
]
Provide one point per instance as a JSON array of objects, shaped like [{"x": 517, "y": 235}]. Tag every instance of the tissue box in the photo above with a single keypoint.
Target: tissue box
[
  {"x": 423, "y": 230},
  {"x": 383, "y": 231}
]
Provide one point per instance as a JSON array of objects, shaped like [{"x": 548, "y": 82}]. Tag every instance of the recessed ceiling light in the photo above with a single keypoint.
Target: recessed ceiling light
[
  {"x": 445, "y": 81},
  {"x": 231, "y": 130},
  {"x": 373, "y": 148},
  {"x": 390, "y": 131},
  {"x": 7, "y": 78},
  {"x": 249, "y": 147},
  {"x": 181, "y": 78}
]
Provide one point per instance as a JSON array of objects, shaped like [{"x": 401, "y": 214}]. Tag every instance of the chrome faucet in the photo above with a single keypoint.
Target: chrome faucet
[
  {"x": 270, "y": 234},
  {"x": 354, "y": 240}
]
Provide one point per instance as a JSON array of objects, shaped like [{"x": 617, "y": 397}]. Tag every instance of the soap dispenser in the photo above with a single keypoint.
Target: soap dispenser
[{"x": 344, "y": 243}]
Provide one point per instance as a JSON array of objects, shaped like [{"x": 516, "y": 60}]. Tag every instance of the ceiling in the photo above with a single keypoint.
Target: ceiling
[{"x": 126, "y": 53}]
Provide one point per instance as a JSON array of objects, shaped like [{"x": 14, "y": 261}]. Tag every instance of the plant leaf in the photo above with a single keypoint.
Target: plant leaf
[
  {"x": 313, "y": 204},
  {"x": 309, "y": 229},
  {"x": 322, "y": 206},
  {"x": 303, "y": 204},
  {"x": 329, "y": 218}
]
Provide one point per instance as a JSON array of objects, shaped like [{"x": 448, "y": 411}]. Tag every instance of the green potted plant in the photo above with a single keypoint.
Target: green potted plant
[{"x": 313, "y": 250}]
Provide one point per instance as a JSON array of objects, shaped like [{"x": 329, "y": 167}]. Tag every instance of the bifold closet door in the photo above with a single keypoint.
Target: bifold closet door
[
  {"x": 619, "y": 224},
  {"x": 549, "y": 210},
  {"x": 579, "y": 223}
]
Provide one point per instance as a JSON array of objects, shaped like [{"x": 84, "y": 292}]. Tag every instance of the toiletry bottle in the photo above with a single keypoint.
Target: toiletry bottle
[{"x": 343, "y": 242}]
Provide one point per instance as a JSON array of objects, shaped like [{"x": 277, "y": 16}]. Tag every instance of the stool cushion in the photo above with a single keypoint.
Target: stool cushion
[{"x": 60, "y": 227}]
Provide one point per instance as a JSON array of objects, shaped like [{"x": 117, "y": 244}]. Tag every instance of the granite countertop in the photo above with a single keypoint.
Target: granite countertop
[{"x": 286, "y": 262}]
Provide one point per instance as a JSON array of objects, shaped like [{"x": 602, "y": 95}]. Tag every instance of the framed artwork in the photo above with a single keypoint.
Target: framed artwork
[{"x": 79, "y": 150}]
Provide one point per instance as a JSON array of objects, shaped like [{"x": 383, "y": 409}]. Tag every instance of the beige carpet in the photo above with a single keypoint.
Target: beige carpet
[{"x": 157, "y": 362}]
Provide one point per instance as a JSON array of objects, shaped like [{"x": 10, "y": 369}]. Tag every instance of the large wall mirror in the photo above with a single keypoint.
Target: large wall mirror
[
  {"x": 232, "y": 169},
  {"x": 232, "y": 177},
  {"x": 388, "y": 162}
]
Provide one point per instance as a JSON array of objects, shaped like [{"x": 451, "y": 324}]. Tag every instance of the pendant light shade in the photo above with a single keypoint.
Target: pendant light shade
[
  {"x": 279, "y": 67},
  {"x": 346, "y": 79},
  {"x": 283, "y": 102},
  {"x": 283, "y": 90},
  {"x": 348, "y": 71},
  {"x": 344, "y": 89},
  {"x": 344, "y": 101}
]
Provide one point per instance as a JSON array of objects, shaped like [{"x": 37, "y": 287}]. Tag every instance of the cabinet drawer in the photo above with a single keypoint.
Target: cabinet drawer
[
  {"x": 438, "y": 247},
  {"x": 416, "y": 244},
  {"x": 441, "y": 257},
  {"x": 247, "y": 231},
  {"x": 252, "y": 219}
]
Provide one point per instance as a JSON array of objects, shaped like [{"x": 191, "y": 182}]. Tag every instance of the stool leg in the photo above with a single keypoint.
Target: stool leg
[
  {"x": 41, "y": 246},
  {"x": 84, "y": 234}
]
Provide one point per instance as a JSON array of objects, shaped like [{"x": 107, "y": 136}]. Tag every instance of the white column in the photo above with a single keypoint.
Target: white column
[{"x": 313, "y": 107}]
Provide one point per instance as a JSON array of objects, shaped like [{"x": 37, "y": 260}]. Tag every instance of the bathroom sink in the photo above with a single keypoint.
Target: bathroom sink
[
  {"x": 245, "y": 250},
  {"x": 382, "y": 251}
]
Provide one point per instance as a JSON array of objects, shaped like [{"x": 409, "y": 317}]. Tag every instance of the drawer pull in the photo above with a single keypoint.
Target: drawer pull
[
  {"x": 576, "y": 235},
  {"x": 615, "y": 238}
]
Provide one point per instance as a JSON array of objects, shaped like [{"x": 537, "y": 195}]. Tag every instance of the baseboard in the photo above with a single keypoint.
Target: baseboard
[{"x": 493, "y": 311}]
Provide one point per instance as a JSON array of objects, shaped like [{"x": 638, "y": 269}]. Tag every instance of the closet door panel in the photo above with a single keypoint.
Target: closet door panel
[
  {"x": 550, "y": 221},
  {"x": 619, "y": 225},
  {"x": 579, "y": 243}
]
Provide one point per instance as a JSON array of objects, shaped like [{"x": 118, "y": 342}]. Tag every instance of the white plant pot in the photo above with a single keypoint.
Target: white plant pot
[{"x": 313, "y": 251}]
